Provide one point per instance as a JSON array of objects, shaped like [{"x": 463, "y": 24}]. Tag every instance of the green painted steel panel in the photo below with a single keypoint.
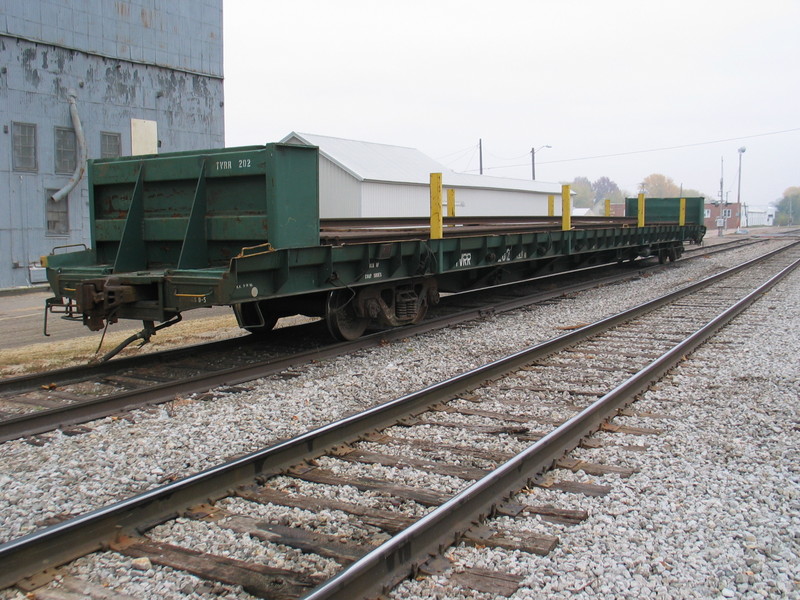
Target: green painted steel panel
[
  {"x": 237, "y": 197},
  {"x": 242, "y": 228},
  {"x": 666, "y": 210},
  {"x": 292, "y": 195}
]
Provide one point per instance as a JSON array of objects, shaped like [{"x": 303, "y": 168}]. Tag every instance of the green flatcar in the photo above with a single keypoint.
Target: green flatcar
[{"x": 240, "y": 227}]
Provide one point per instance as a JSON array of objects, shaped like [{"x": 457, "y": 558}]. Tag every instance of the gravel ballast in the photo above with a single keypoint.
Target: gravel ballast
[
  {"x": 714, "y": 509},
  {"x": 661, "y": 515}
]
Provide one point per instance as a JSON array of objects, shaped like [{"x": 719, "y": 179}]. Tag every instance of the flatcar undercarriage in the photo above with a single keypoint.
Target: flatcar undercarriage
[{"x": 348, "y": 310}]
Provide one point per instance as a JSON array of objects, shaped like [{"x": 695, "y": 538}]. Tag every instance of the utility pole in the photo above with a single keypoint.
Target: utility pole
[
  {"x": 739, "y": 188},
  {"x": 480, "y": 154},
  {"x": 721, "y": 176}
]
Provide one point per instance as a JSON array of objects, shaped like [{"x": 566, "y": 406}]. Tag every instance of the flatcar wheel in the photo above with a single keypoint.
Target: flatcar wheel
[{"x": 340, "y": 315}]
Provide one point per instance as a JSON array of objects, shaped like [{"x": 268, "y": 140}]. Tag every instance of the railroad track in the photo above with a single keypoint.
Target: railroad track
[
  {"x": 42, "y": 402},
  {"x": 410, "y": 477}
]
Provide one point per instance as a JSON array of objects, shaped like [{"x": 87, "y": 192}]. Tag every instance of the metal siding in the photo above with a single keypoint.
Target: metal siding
[
  {"x": 501, "y": 203},
  {"x": 339, "y": 192},
  {"x": 395, "y": 200},
  {"x": 180, "y": 34},
  {"x": 186, "y": 105}
]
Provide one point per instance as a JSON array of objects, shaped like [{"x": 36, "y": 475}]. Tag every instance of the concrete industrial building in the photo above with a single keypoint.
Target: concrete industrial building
[
  {"x": 125, "y": 77},
  {"x": 364, "y": 179}
]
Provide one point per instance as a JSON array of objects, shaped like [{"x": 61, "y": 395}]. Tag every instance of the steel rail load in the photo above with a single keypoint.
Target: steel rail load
[{"x": 241, "y": 227}]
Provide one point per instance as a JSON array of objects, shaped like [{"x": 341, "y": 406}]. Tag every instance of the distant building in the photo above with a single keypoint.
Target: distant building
[
  {"x": 758, "y": 216},
  {"x": 141, "y": 76},
  {"x": 728, "y": 214},
  {"x": 364, "y": 179}
]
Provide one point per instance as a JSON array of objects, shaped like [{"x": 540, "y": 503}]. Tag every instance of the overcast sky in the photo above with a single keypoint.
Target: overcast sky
[{"x": 588, "y": 78}]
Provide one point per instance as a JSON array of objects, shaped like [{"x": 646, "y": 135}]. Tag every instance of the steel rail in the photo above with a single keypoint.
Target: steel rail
[
  {"x": 81, "y": 412},
  {"x": 381, "y": 569},
  {"x": 43, "y": 421},
  {"x": 69, "y": 375},
  {"x": 58, "y": 544}
]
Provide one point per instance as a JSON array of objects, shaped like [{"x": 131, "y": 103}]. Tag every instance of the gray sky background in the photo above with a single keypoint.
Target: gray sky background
[{"x": 589, "y": 78}]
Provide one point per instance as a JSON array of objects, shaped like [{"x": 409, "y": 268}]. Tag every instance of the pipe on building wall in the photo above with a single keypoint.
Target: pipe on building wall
[{"x": 80, "y": 166}]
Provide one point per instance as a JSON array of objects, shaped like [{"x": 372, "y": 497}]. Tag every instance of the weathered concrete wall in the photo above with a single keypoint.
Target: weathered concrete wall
[{"x": 159, "y": 60}]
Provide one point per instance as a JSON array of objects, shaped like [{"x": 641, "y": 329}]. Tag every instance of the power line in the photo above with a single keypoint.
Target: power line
[
  {"x": 744, "y": 137},
  {"x": 462, "y": 151},
  {"x": 564, "y": 160},
  {"x": 509, "y": 157}
]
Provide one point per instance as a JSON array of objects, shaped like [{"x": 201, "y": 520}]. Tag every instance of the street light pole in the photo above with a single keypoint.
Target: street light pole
[{"x": 533, "y": 161}]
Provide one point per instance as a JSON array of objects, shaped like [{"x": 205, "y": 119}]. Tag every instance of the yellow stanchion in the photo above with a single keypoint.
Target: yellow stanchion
[
  {"x": 436, "y": 206},
  {"x": 640, "y": 222}
]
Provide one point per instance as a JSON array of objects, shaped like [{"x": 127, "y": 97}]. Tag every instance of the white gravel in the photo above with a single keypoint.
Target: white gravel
[
  {"x": 714, "y": 510},
  {"x": 74, "y": 474}
]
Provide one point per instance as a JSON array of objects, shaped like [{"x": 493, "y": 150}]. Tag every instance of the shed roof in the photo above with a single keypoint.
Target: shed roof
[{"x": 368, "y": 161}]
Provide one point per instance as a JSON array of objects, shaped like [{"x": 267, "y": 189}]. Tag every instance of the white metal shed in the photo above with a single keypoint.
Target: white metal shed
[{"x": 365, "y": 179}]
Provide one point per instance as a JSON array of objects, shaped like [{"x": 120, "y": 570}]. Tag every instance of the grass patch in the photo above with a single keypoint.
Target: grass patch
[{"x": 48, "y": 355}]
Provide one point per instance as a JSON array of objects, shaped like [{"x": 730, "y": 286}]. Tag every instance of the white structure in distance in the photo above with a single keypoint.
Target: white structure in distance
[{"x": 365, "y": 179}]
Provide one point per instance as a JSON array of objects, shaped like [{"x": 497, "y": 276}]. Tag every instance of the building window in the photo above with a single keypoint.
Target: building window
[
  {"x": 707, "y": 213},
  {"x": 110, "y": 144},
  {"x": 24, "y": 144},
  {"x": 57, "y": 214},
  {"x": 66, "y": 150},
  {"x": 726, "y": 212}
]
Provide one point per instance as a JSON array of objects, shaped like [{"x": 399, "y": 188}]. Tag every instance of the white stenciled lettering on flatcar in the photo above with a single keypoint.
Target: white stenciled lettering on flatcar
[
  {"x": 224, "y": 164},
  {"x": 375, "y": 272},
  {"x": 465, "y": 260}
]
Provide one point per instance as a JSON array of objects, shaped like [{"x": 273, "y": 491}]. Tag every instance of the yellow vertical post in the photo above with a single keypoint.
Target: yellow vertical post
[
  {"x": 640, "y": 222},
  {"x": 436, "y": 206},
  {"x": 608, "y": 207},
  {"x": 451, "y": 203},
  {"x": 566, "y": 209},
  {"x": 682, "y": 213},
  {"x": 551, "y": 206}
]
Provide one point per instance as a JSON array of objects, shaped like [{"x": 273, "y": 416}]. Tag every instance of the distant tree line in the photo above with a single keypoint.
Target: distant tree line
[
  {"x": 788, "y": 212},
  {"x": 592, "y": 194}
]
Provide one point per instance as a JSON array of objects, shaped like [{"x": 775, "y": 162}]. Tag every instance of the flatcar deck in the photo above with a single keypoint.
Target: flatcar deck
[{"x": 367, "y": 230}]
